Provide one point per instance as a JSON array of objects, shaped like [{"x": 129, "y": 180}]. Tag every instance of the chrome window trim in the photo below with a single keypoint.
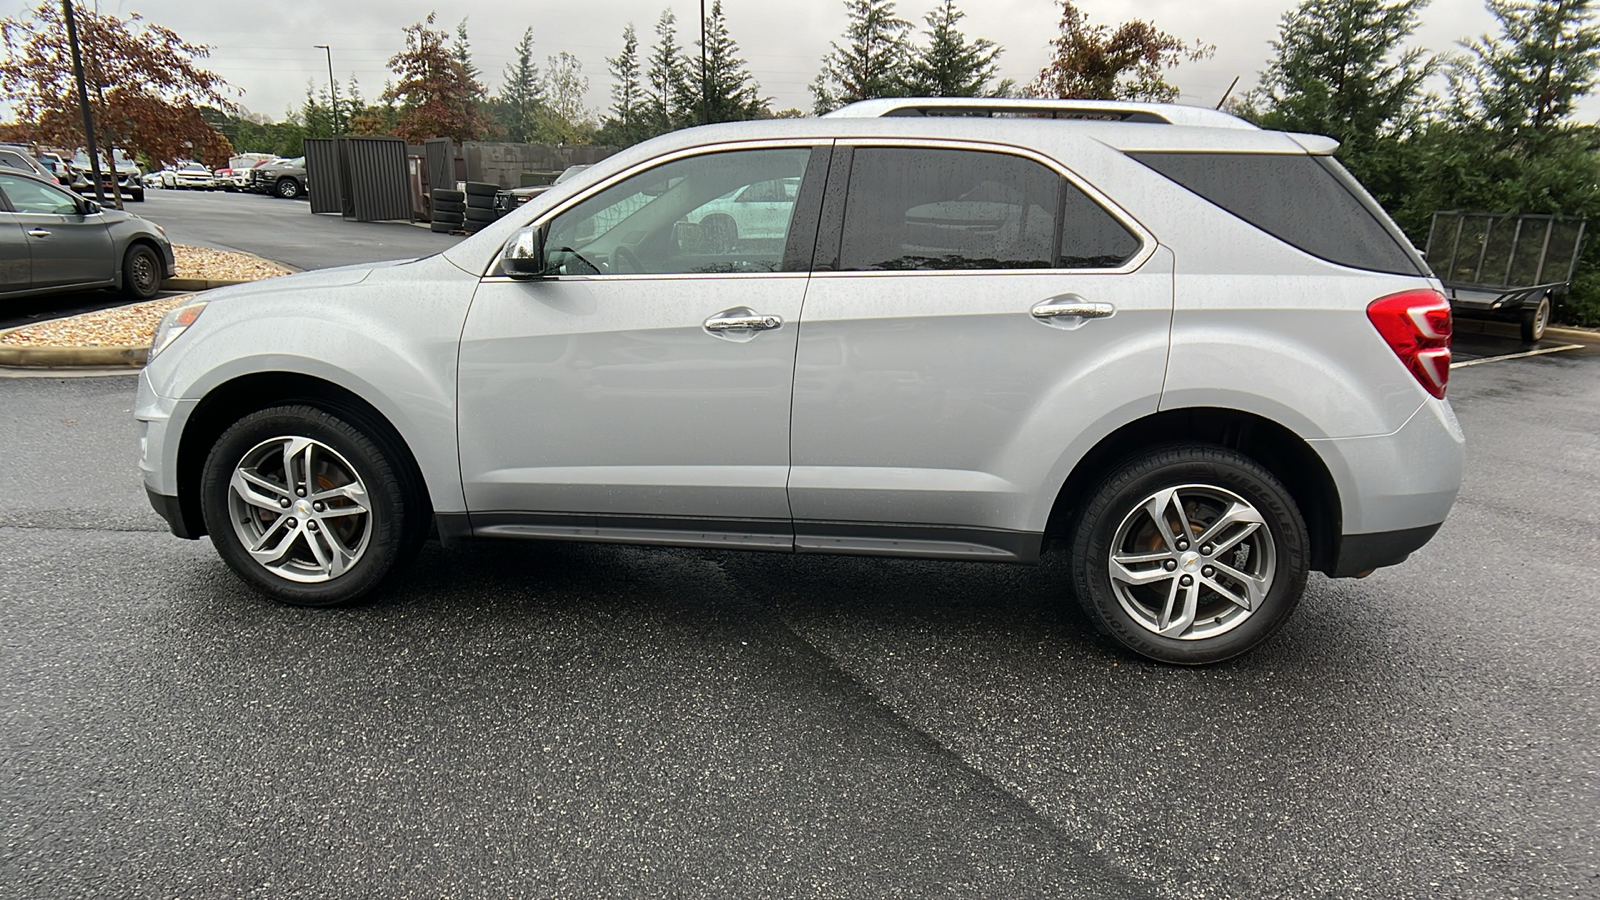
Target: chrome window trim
[
  {"x": 1147, "y": 240},
  {"x": 635, "y": 276}
]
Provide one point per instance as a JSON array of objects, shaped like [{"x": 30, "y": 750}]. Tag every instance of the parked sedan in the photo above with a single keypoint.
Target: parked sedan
[{"x": 51, "y": 240}]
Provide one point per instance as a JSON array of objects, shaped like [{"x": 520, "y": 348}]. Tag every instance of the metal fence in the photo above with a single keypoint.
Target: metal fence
[
  {"x": 361, "y": 178},
  {"x": 1501, "y": 250}
]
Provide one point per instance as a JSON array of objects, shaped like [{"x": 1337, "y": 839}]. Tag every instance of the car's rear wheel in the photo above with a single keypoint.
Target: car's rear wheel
[
  {"x": 1190, "y": 554},
  {"x": 311, "y": 508},
  {"x": 141, "y": 272}
]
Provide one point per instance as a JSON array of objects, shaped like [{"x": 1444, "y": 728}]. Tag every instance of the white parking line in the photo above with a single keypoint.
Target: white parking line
[{"x": 1489, "y": 359}]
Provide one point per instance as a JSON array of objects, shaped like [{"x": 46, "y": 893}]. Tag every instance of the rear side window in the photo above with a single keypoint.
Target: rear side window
[
  {"x": 948, "y": 209},
  {"x": 1309, "y": 202},
  {"x": 912, "y": 209}
]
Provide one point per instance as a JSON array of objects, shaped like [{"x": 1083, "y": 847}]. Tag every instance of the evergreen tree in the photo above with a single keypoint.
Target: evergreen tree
[
  {"x": 462, "y": 49},
  {"x": 667, "y": 95},
  {"x": 520, "y": 99},
  {"x": 727, "y": 92},
  {"x": 871, "y": 63},
  {"x": 1531, "y": 76},
  {"x": 1339, "y": 70},
  {"x": 625, "y": 126},
  {"x": 950, "y": 66}
]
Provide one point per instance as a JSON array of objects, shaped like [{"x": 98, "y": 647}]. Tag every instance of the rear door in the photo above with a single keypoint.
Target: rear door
[
  {"x": 67, "y": 247},
  {"x": 973, "y": 313}
]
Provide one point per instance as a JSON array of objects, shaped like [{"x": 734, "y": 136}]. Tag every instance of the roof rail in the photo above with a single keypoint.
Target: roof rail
[{"x": 1005, "y": 108}]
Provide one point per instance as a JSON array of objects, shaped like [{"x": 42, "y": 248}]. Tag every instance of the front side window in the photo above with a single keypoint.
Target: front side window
[
  {"x": 29, "y": 196},
  {"x": 717, "y": 213}
]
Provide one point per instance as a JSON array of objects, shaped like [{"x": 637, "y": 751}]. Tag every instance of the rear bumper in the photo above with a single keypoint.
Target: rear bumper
[{"x": 1361, "y": 553}]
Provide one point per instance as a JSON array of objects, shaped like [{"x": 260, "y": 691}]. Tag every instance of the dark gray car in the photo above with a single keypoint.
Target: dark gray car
[
  {"x": 285, "y": 178},
  {"x": 52, "y": 240}
]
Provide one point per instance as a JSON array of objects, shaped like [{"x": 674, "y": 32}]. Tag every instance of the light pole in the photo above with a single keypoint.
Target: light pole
[
  {"x": 83, "y": 103},
  {"x": 333, "y": 88}
]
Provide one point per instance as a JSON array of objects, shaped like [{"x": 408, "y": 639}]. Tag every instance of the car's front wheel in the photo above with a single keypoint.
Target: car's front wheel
[
  {"x": 288, "y": 188},
  {"x": 309, "y": 507},
  {"x": 141, "y": 272},
  {"x": 1190, "y": 554}
]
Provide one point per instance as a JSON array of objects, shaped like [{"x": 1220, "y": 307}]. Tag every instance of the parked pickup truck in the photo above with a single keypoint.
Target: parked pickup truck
[{"x": 285, "y": 178}]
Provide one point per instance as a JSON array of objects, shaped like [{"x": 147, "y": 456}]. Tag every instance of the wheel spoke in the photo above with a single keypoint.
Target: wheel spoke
[
  {"x": 353, "y": 493},
  {"x": 1156, "y": 508},
  {"x": 1237, "y": 514},
  {"x": 1138, "y": 576},
  {"x": 1168, "y": 626},
  {"x": 342, "y": 557},
  {"x": 1255, "y": 587},
  {"x": 266, "y": 555},
  {"x": 292, "y": 447},
  {"x": 257, "y": 491}
]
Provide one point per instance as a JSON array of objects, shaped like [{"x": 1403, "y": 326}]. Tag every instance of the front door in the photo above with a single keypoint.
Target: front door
[
  {"x": 640, "y": 389},
  {"x": 67, "y": 247}
]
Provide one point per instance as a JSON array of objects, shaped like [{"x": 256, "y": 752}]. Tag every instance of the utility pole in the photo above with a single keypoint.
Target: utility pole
[
  {"x": 333, "y": 88},
  {"x": 705, "y": 86},
  {"x": 83, "y": 101}
]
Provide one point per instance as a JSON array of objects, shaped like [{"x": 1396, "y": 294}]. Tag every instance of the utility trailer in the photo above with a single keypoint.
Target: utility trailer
[{"x": 1505, "y": 266}]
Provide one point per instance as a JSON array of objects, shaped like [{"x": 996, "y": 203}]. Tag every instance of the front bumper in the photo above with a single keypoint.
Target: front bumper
[{"x": 160, "y": 425}]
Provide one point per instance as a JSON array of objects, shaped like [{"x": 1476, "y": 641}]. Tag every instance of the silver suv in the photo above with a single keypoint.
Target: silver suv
[{"x": 1193, "y": 355}]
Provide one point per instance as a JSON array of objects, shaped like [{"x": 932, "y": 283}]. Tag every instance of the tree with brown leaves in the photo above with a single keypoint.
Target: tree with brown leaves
[
  {"x": 436, "y": 93},
  {"x": 145, "y": 85},
  {"x": 1095, "y": 62}
]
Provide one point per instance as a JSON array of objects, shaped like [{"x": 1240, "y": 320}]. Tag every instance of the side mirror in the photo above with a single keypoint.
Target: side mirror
[
  {"x": 523, "y": 256},
  {"x": 90, "y": 207}
]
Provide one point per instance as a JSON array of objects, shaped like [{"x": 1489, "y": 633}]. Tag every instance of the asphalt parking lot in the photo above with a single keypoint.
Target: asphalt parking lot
[{"x": 528, "y": 719}]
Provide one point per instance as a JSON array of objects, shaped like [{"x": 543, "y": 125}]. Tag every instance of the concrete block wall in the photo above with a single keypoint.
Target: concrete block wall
[{"x": 504, "y": 164}]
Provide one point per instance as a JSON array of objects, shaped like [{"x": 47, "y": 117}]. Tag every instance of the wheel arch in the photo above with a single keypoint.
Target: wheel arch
[
  {"x": 122, "y": 267},
  {"x": 232, "y": 400},
  {"x": 1280, "y": 450}
]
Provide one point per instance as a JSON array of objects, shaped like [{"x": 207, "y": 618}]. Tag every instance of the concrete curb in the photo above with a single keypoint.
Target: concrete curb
[
  {"x": 1582, "y": 335},
  {"x": 197, "y": 284},
  {"x": 72, "y": 357}
]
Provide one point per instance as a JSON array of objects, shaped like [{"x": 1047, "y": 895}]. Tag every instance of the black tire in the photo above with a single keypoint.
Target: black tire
[
  {"x": 439, "y": 227},
  {"x": 392, "y": 526},
  {"x": 475, "y": 201},
  {"x": 481, "y": 189},
  {"x": 1535, "y": 319},
  {"x": 447, "y": 195},
  {"x": 448, "y": 218},
  {"x": 287, "y": 189},
  {"x": 142, "y": 271},
  {"x": 454, "y": 206},
  {"x": 473, "y": 214},
  {"x": 137, "y": 196},
  {"x": 1208, "y": 478}
]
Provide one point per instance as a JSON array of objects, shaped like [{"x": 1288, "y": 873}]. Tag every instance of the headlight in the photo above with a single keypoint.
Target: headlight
[{"x": 174, "y": 324}]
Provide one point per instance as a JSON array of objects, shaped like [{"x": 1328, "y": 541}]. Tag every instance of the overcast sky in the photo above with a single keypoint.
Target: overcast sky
[{"x": 265, "y": 49}]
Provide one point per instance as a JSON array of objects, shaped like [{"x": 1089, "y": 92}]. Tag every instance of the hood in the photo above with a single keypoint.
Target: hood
[{"x": 314, "y": 279}]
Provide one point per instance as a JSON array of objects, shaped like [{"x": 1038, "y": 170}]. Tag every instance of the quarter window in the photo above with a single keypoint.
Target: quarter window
[{"x": 717, "y": 213}]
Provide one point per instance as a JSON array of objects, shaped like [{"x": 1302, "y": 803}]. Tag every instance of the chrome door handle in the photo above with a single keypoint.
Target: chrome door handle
[
  {"x": 38, "y": 232},
  {"x": 1071, "y": 306},
  {"x": 742, "y": 319}
]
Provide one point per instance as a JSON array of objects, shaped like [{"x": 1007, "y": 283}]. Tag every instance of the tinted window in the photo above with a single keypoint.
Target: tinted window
[
  {"x": 1090, "y": 237},
  {"x": 1309, "y": 202},
  {"x": 948, "y": 209},
  {"x": 721, "y": 212},
  {"x": 29, "y": 196}
]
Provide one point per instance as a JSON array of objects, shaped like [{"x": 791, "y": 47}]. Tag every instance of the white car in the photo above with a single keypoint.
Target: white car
[
  {"x": 191, "y": 176},
  {"x": 1193, "y": 356}
]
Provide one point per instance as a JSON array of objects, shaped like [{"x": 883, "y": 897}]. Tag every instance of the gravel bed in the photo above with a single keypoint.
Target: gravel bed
[{"x": 135, "y": 325}]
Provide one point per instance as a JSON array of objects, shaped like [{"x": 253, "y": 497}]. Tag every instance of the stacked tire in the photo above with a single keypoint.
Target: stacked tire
[
  {"x": 480, "y": 209},
  {"x": 449, "y": 210}
]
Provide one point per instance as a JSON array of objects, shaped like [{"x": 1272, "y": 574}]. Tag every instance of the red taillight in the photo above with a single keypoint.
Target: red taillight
[{"x": 1416, "y": 325}]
